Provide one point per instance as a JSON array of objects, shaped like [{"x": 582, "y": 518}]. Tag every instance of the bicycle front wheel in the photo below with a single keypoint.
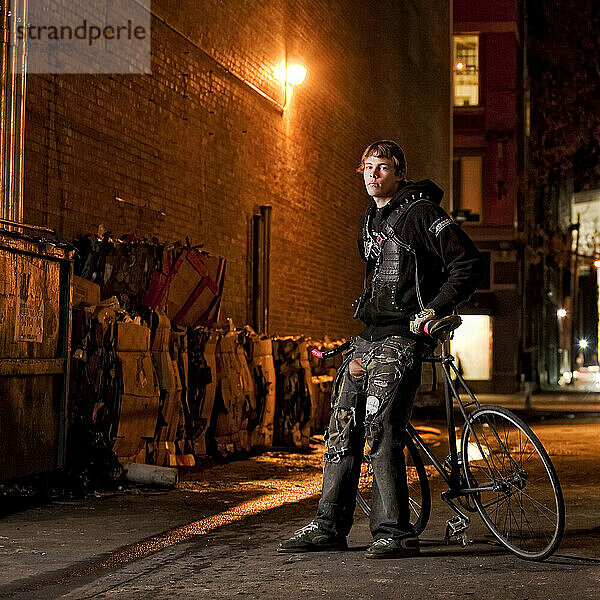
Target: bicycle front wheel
[
  {"x": 418, "y": 488},
  {"x": 520, "y": 501}
]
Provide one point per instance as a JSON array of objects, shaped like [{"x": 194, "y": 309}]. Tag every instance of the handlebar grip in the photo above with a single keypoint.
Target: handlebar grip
[{"x": 329, "y": 353}]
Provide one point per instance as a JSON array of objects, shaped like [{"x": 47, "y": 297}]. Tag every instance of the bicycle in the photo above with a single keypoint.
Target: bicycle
[{"x": 500, "y": 469}]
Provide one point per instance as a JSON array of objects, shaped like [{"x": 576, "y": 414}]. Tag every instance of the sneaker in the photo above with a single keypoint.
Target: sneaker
[
  {"x": 394, "y": 547},
  {"x": 312, "y": 538}
]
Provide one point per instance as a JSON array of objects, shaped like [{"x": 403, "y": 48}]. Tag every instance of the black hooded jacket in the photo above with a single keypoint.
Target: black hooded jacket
[{"x": 448, "y": 264}]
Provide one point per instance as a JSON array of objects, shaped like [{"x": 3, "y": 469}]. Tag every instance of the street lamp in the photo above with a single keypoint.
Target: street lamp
[
  {"x": 561, "y": 313},
  {"x": 583, "y": 343}
]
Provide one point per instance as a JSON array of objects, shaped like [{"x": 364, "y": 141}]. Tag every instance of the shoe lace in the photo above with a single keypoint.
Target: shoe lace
[
  {"x": 312, "y": 526},
  {"x": 382, "y": 542}
]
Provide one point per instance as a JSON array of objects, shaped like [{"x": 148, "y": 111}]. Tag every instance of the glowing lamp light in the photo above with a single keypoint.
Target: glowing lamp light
[
  {"x": 583, "y": 343},
  {"x": 561, "y": 313},
  {"x": 296, "y": 75},
  {"x": 292, "y": 74},
  {"x": 460, "y": 65},
  {"x": 597, "y": 263}
]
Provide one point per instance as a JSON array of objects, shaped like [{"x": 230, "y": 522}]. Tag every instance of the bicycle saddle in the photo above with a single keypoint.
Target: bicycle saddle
[{"x": 440, "y": 327}]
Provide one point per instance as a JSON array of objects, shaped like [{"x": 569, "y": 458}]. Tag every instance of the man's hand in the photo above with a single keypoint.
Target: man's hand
[
  {"x": 355, "y": 368},
  {"x": 420, "y": 320}
]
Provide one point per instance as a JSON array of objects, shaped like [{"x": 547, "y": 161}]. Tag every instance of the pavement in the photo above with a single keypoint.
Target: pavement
[
  {"x": 215, "y": 535},
  {"x": 547, "y": 404}
]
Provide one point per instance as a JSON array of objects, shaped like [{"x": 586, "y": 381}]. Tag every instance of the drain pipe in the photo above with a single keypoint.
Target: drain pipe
[
  {"x": 20, "y": 98},
  {"x": 4, "y": 103},
  {"x": 13, "y": 65}
]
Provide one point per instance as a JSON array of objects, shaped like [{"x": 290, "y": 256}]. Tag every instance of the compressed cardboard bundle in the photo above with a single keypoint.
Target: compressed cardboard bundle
[
  {"x": 235, "y": 398},
  {"x": 179, "y": 353},
  {"x": 145, "y": 275},
  {"x": 202, "y": 344},
  {"x": 140, "y": 392},
  {"x": 121, "y": 267},
  {"x": 323, "y": 371},
  {"x": 293, "y": 403},
  {"x": 171, "y": 411},
  {"x": 308, "y": 377},
  {"x": 262, "y": 368},
  {"x": 93, "y": 401},
  {"x": 190, "y": 284}
]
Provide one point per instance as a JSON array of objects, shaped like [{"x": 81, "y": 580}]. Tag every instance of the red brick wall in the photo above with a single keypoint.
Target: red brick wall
[
  {"x": 194, "y": 152},
  {"x": 496, "y": 11}
]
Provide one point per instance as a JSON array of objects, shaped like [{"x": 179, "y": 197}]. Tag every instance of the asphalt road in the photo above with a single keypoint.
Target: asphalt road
[{"x": 215, "y": 537}]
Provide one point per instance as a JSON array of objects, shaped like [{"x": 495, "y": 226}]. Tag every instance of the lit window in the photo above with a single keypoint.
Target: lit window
[
  {"x": 466, "y": 70},
  {"x": 472, "y": 345},
  {"x": 468, "y": 183}
]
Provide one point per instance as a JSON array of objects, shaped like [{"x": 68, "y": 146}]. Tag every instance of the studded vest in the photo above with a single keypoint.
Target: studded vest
[{"x": 389, "y": 258}]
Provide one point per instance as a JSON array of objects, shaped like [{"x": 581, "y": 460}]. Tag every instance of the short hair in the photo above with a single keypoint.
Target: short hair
[{"x": 385, "y": 149}]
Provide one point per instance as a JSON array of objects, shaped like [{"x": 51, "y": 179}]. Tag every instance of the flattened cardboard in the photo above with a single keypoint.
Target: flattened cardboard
[
  {"x": 195, "y": 290},
  {"x": 132, "y": 337},
  {"x": 139, "y": 378},
  {"x": 85, "y": 292},
  {"x": 137, "y": 421},
  {"x": 162, "y": 335},
  {"x": 262, "y": 357},
  {"x": 165, "y": 371}
]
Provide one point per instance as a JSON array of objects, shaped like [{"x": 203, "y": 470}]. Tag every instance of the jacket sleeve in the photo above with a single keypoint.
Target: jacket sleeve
[
  {"x": 361, "y": 245},
  {"x": 463, "y": 263}
]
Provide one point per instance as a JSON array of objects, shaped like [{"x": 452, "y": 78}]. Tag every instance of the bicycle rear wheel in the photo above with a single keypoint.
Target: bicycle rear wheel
[
  {"x": 418, "y": 488},
  {"x": 522, "y": 504}
]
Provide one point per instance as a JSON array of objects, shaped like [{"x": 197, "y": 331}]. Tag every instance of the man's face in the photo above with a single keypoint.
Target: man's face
[{"x": 380, "y": 177}]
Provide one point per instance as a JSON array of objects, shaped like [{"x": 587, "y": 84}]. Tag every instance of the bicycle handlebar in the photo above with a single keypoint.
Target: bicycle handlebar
[
  {"x": 329, "y": 353},
  {"x": 437, "y": 330}
]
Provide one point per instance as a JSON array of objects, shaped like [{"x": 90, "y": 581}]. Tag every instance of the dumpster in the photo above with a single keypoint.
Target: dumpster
[{"x": 35, "y": 332}]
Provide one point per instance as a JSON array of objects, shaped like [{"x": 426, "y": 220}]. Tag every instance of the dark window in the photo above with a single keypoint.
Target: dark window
[
  {"x": 505, "y": 273},
  {"x": 485, "y": 284}
]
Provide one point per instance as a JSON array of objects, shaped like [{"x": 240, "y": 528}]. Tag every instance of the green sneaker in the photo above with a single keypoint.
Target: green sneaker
[
  {"x": 312, "y": 538},
  {"x": 394, "y": 547}
]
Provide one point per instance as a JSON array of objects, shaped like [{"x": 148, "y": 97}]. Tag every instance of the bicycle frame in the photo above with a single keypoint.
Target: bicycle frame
[{"x": 453, "y": 476}]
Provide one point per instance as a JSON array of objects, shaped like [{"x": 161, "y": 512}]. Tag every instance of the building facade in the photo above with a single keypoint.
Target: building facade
[{"x": 488, "y": 167}]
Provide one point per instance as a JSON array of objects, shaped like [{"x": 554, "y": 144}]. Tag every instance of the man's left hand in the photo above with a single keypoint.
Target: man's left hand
[{"x": 417, "y": 324}]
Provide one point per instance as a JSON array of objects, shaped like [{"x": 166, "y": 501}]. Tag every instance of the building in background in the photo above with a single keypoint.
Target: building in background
[
  {"x": 488, "y": 168},
  {"x": 584, "y": 338}
]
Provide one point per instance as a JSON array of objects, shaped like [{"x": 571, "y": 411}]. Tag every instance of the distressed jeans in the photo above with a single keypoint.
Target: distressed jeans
[{"x": 375, "y": 407}]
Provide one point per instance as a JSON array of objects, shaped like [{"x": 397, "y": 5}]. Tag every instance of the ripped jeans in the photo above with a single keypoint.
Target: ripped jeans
[{"x": 375, "y": 407}]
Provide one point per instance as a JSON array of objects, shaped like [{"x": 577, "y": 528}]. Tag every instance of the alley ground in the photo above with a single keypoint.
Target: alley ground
[{"x": 215, "y": 535}]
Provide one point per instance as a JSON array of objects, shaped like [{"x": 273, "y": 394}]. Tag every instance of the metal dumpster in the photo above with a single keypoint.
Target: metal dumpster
[{"x": 35, "y": 331}]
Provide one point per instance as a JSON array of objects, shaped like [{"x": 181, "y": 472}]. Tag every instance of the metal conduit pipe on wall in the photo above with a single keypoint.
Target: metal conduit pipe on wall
[
  {"x": 13, "y": 65},
  {"x": 261, "y": 243}
]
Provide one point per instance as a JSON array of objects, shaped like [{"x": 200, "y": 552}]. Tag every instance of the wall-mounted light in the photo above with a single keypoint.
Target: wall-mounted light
[
  {"x": 289, "y": 75},
  {"x": 583, "y": 343},
  {"x": 597, "y": 263},
  {"x": 561, "y": 313}
]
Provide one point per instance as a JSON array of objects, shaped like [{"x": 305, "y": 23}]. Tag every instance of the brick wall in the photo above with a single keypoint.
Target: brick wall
[{"x": 193, "y": 152}]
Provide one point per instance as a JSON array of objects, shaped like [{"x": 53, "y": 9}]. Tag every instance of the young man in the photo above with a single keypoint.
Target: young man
[{"x": 420, "y": 266}]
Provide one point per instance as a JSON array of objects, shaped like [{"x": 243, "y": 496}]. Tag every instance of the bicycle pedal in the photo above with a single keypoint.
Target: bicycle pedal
[{"x": 455, "y": 527}]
